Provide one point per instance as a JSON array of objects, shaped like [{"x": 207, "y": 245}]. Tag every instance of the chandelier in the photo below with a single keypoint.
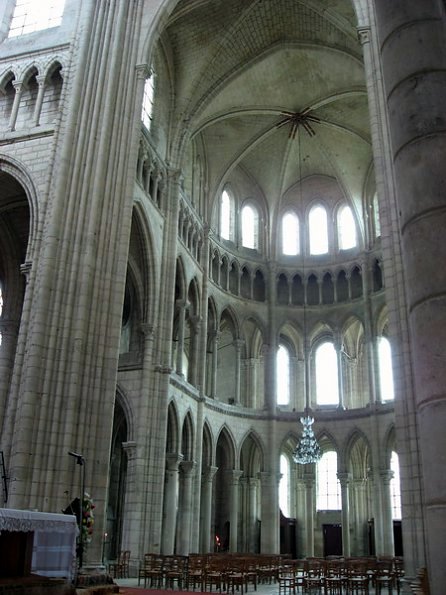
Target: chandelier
[{"x": 307, "y": 449}]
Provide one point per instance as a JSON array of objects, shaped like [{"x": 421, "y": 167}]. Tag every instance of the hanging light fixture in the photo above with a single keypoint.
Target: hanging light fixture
[{"x": 307, "y": 449}]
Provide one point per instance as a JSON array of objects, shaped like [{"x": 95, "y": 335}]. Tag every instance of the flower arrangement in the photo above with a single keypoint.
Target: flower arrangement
[{"x": 87, "y": 518}]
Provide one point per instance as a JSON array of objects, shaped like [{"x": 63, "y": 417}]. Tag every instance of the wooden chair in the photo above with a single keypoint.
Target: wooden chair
[
  {"x": 153, "y": 572},
  {"x": 358, "y": 577},
  {"x": 384, "y": 576},
  {"x": 120, "y": 568},
  {"x": 288, "y": 582},
  {"x": 195, "y": 571},
  {"x": 175, "y": 571},
  {"x": 398, "y": 571},
  {"x": 334, "y": 576},
  {"x": 215, "y": 573},
  {"x": 144, "y": 567},
  {"x": 314, "y": 574}
]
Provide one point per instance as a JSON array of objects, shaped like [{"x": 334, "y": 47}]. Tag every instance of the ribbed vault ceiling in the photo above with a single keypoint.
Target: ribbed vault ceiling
[{"x": 239, "y": 64}]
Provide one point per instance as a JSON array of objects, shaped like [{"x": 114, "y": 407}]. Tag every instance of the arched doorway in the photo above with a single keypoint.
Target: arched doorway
[
  {"x": 14, "y": 235},
  {"x": 117, "y": 485}
]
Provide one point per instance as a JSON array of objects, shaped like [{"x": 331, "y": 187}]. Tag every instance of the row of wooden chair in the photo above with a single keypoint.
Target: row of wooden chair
[
  {"x": 222, "y": 572},
  {"x": 341, "y": 576},
  {"x": 231, "y": 572}
]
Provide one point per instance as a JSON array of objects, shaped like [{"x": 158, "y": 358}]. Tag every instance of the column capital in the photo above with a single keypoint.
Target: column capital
[
  {"x": 130, "y": 449},
  {"x": 386, "y": 475},
  {"x": 209, "y": 473},
  {"x": 187, "y": 467},
  {"x": 173, "y": 460},
  {"x": 147, "y": 330},
  {"x": 17, "y": 85},
  {"x": 234, "y": 475},
  {"x": 143, "y": 71},
  {"x": 238, "y": 344},
  {"x": 344, "y": 478},
  {"x": 363, "y": 35},
  {"x": 163, "y": 369},
  {"x": 25, "y": 269}
]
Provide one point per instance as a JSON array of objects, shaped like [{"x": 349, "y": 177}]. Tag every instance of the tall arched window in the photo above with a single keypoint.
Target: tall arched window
[
  {"x": 385, "y": 369},
  {"x": 346, "y": 228},
  {"x": 326, "y": 363},
  {"x": 35, "y": 15},
  {"x": 395, "y": 487},
  {"x": 318, "y": 227},
  {"x": 250, "y": 227},
  {"x": 283, "y": 375},
  {"x": 147, "y": 101},
  {"x": 226, "y": 216},
  {"x": 290, "y": 234},
  {"x": 284, "y": 486},
  {"x": 376, "y": 219},
  {"x": 327, "y": 482}
]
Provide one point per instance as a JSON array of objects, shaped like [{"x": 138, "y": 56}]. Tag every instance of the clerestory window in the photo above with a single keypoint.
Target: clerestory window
[
  {"x": 385, "y": 369},
  {"x": 147, "y": 101},
  {"x": 227, "y": 216},
  {"x": 290, "y": 234},
  {"x": 346, "y": 228},
  {"x": 318, "y": 227},
  {"x": 35, "y": 15},
  {"x": 283, "y": 375},
  {"x": 326, "y": 362},
  {"x": 250, "y": 227}
]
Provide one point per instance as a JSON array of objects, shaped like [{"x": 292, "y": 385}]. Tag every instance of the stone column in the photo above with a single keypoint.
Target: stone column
[
  {"x": 375, "y": 492},
  {"x": 207, "y": 539},
  {"x": 238, "y": 343},
  {"x": 344, "y": 480},
  {"x": 253, "y": 484},
  {"x": 194, "y": 359},
  {"x": 182, "y": 307},
  {"x": 129, "y": 533},
  {"x": 340, "y": 359},
  {"x": 9, "y": 331},
  {"x": 386, "y": 512},
  {"x": 233, "y": 479},
  {"x": 269, "y": 538},
  {"x": 18, "y": 87},
  {"x": 170, "y": 507},
  {"x": 215, "y": 340},
  {"x": 185, "y": 512},
  {"x": 360, "y": 496},
  {"x": 301, "y": 516},
  {"x": 38, "y": 107},
  {"x": 411, "y": 36},
  {"x": 309, "y": 481}
]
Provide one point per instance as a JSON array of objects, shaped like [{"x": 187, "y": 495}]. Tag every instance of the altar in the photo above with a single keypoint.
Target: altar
[{"x": 40, "y": 543}]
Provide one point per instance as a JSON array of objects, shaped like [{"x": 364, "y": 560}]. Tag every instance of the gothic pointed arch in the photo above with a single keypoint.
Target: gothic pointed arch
[
  {"x": 187, "y": 438},
  {"x": 208, "y": 449},
  {"x": 121, "y": 434},
  {"x": 173, "y": 429},
  {"x": 251, "y": 454}
]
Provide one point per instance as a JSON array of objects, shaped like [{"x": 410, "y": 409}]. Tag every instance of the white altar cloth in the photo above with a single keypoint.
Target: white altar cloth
[{"x": 54, "y": 547}]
